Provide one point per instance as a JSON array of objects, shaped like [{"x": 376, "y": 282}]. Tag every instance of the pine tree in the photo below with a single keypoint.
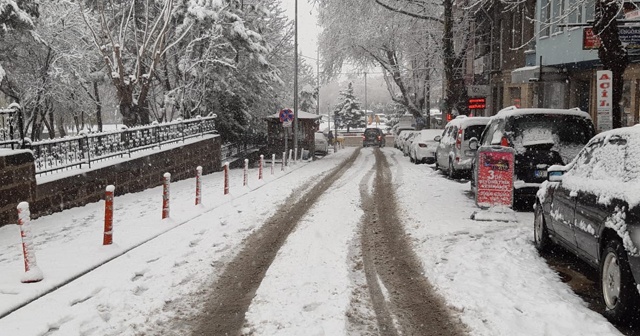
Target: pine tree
[{"x": 348, "y": 110}]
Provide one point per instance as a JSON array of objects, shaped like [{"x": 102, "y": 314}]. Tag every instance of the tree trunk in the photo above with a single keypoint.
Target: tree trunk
[
  {"x": 611, "y": 52},
  {"x": 63, "y": 132},
  {"x": 455, "y": 88},
  {"x": 98, "y": 106}
]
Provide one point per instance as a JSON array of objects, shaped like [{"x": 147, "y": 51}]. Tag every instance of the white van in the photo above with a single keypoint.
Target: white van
[{"x": 453, "y": 154}]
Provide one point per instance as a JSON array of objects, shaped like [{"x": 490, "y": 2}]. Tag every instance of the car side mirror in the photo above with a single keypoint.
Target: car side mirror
[
  {"x": 473, "y": 143},
  {"x": 555, "y": 173},
  {"x": 437, "y": 138}
]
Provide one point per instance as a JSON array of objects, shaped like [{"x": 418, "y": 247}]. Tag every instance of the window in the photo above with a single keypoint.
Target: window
[
  {"x": 545, "y": 18},
  {"x": 576, "y": 9},
  {"x": 589, "y": 10},
  {"x": 558, "y": 16},
  {"x": 523, "y": 20},
  {"x": 514, "y": 29}
]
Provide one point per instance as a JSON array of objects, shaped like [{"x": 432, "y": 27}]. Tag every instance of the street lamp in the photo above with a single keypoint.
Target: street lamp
[{"x": 295, "y": 83}]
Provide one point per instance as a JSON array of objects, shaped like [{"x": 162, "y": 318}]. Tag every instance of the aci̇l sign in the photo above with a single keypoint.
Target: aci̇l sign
[{"x": 604, "y": 92}]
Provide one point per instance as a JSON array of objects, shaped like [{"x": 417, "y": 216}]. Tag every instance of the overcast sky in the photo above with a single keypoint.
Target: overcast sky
[{"x": 307, "y": 27}]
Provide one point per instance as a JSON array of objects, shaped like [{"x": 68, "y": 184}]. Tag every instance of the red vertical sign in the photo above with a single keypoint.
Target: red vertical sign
[{"x": 494, "y": 183}]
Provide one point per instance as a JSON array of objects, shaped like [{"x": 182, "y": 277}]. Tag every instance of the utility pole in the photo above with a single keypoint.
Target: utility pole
[
  {"x": 365, "y": 93},
  {"x": 295, "y": 84},
  {"x": 318, "y": 81}
]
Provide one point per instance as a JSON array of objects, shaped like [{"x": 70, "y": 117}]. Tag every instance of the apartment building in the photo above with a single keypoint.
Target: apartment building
[{"x": 543, "y": 54}]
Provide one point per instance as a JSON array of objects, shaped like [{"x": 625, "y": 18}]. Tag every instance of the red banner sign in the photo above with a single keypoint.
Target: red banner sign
[
  {"x": 589, "y": 39},
  {"x": 494, "y": 183}
]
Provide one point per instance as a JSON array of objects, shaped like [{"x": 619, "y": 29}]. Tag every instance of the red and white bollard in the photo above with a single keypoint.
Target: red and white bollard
[
  {"x": 226, "y": 178},
  {"x": 260, "y": 167},
  {"x": 246, "y": 172},
  {"x": 165, "y": 195},
  {"x": 32, "y": 272},
  {"x": 273, "y": 163},
  {"x": 284, "y": 160},
  {"x": 198, "y": 185},
  {"x": 107, "y": 239}
]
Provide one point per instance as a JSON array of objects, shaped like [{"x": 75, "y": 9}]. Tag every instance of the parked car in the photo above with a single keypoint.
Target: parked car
[
  {"x": 453, "y": 154},
  {"x": 541, "y": 138},
  {"x": 373, "y": 137},
  {"x": 592, "y": 208},
  {"x": 321, "y": 144},
  {"x": 423, "y": 147},
  {"x": 399, "y": 139},
  {"x": 406, "y": 143}
]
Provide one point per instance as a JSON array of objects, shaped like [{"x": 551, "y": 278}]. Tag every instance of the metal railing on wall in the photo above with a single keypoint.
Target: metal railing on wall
[
  {"x": 84, "y": 149},
  {"x": 11, "y": 127}
]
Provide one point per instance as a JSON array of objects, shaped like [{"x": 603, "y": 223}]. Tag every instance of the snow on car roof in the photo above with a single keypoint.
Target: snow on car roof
[
  {"x": 465, "y": 121},
  {"x": 512, "y": 111},
  {"x": 616, "y": 173}
]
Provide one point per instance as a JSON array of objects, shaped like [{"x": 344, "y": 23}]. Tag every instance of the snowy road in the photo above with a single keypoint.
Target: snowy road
[{"x": 313, "y": 282}]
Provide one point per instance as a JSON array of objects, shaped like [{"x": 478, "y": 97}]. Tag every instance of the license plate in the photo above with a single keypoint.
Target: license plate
[{"x": 541, "y": 173}]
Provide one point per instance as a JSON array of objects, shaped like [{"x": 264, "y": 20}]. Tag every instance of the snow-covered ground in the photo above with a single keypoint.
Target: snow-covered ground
[{"x": 489, "y": 271}]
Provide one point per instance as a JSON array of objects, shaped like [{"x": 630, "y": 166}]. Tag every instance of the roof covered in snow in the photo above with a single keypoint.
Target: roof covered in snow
[
  {"x": 301, "y": 115},
  {"x": 512, "y": 111}
]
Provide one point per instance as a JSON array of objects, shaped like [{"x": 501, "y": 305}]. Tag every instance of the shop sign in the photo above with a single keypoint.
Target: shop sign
[
  {"x": 589, "y": 39},
  {"x": 494, "y": 183},
  {"x": 604, "y": 90},
  {"x": 477, "y": 103},
  {"x": 629, "y": 36}
]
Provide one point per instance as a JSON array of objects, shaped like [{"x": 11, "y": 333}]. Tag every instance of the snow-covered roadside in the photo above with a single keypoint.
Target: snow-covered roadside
[
  {"x": 489, "y": 271},
  {"x": 306, "y": 290},
  {"x": 141, "y": 291}
]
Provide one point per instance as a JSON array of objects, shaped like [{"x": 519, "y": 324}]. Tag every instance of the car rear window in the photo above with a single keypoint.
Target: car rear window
[
  {"x": 568, "y": 133},
  {"x": 473, "y": 131},
  {"x": 370, "y": 131}
]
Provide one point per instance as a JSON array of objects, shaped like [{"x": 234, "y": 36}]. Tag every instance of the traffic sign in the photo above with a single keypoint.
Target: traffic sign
[{"x": 286, "y": 115}]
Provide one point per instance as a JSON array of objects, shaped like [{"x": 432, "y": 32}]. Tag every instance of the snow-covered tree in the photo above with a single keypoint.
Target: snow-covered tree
[
  {"x": 132, "y": 38},
  {"x": 348, "y": 110},
  {"x": 16, "y": 15},
  {"x": 307, "y": 100}
]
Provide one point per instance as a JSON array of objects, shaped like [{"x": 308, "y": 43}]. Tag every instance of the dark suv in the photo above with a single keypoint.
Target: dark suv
[
  {"x": 541, "y": 138},
  {"x": 592, "y": 208},
  {"x": 373, "y": 137}
]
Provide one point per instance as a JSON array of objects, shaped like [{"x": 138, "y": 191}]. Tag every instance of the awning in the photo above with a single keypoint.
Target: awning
[{"x": 524, "y": 74}]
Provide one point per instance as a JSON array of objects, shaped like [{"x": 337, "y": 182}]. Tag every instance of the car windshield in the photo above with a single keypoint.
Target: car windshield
[
  {"x": 566, "y": 133},
  {"x": 371, "y": 131}
]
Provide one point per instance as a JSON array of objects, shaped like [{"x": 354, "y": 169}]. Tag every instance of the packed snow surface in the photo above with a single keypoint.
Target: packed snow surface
[{"x": 488, "y": 271}]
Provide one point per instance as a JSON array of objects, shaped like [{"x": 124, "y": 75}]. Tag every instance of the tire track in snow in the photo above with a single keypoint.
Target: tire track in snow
[
  {"x": 404, "y": 301},
  {"x": 235, "y": 288}
]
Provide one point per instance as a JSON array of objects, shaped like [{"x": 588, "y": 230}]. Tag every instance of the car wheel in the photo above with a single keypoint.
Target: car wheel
[
  {"x": 541, "y": 238},
  {"x": 617, "y": 286}
]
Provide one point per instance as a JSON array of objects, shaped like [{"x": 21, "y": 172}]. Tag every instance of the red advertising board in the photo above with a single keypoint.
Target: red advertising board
[
  {"x": 589, "y": 39},
  {"x": 494, "y": 183}
]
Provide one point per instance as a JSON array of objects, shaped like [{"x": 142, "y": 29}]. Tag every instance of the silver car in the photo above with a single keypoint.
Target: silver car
[
  {"x": 321, "y": 144},
  {"x": 453, "y": 154}
]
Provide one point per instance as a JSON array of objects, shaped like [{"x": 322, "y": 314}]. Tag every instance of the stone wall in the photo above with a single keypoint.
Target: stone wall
[
  {"x": 17, "y": 182},
  {"x": 128, "y": 176}
]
